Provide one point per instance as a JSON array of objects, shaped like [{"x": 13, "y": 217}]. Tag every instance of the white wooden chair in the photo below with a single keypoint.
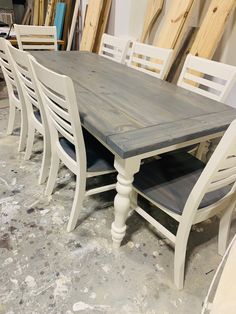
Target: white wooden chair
[
  {"x": 15, "y": 94},
  {"x": 210, "y": 79},
  {"x": 37, "y": 120},
  {"x": 190, "y": 192},
  {"x": 30, "y": 37},
  {"x": 114, "y": 48},
  {"x": 149, "y": 59},
  {"x": 77, "y": 149}
]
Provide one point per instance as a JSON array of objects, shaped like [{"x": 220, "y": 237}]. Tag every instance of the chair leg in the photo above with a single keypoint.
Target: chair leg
[
  {"x": 77, "y": 203},
  {"x": 23, "y": 130},
  {"x": 52, "y": 174},
  {"x": 30, "y": 142},
  {"x": 46, "y": 160},
  {"x": 11, "y": 119},
  {"x": 180, "y": 254},
  {"x": 224, "y": 228}
]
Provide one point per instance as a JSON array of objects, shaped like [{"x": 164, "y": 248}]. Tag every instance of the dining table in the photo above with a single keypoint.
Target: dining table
[{"x": 135, "y": 116}]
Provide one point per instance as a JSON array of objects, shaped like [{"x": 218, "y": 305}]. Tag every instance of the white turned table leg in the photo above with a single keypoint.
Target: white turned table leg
[{"x": 126, "y": 169}]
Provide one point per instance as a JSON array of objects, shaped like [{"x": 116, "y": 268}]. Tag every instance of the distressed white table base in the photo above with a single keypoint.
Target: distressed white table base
[{"x": 126, "y": 169}]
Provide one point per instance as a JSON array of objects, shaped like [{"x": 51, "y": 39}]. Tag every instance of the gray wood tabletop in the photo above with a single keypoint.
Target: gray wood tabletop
[{"x": 133, "y": 112}]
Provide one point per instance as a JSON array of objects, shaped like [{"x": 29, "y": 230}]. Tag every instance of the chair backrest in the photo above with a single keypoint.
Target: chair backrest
[
  {"x": 25, "y": 76},
  {"x": 30, "y": 37},
  {"x": 8, "y": 70},
  {"x": 114, "y": 48},
  {"x": 58, "y": 97},
  {"x": 208, "y": 78},
  {"x": 219, "y": 172},
  {"x": 149, "y": 59}
]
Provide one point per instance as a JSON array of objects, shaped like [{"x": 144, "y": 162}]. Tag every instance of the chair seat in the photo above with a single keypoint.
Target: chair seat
[
  {"x": 38, "y": 116},
  {"x": 99, "y": 159},
  {"x": 169, "y": 181}
]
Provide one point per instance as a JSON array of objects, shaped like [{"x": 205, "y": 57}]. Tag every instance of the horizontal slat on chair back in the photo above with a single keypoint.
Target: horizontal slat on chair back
[
  {"x": 6, "y": 63},
  {"x": 114, "y": 48},
  {"x": 206, "y": 77},
  {"x": 219, "y": 172},
  {"x": 22, "y": 66},
  {"x": 226, "y": 172},
  {"x": 150, "y": 59},
  {"x": 54, "y": 96},
  {"x": 36, "y": 37}
]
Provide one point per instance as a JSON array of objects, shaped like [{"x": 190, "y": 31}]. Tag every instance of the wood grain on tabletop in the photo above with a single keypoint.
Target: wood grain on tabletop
[{"x": 131, "y": 111}]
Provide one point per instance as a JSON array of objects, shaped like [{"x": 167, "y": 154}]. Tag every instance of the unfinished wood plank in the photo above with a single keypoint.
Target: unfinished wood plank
[
  {"x": 212, "y": 28},
  {"x": 26, "y": 16},
  {"x": 102, "y": 23},
  {"x": 175, "y": 26},
  {"x": 67, "y": 21},
  {"x": 49, "y": 14},
  {"x": 36, "y": 12},
  {"x": 41, "y": 12},
  {"x": 174, "y": 22},
  {"x": 73, "y": 24},
  {"x": 91, "y": 25},
  {"x": 154, "y": 8},
  {"x": 178, "y": 63}
]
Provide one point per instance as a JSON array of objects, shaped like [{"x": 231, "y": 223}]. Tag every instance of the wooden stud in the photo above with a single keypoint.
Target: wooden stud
[
  {"x": 73, "y": 24},
  {"x": 50, "y": 9},
  {"x": 91, "y": 25},
  {"x": 36, "y": 12},
  {"x": 212, "y": 28},
  {"x": 102, "y": 23},
  {"x": 175, "y": 26},
  {"x": 67, "y": 21},
  {"x": 41, "y": 12},
  {"x": 154, "y": 8}
]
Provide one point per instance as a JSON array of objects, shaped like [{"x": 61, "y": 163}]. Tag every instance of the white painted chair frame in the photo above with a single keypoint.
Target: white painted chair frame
[
  {"x": 220, "y": 171},
  {"x": 15, "y": 94},
  {"x": 114, "y": 48},
  {"x": 217, "y": 79},
  {"x": 149, "y": 59},
  {"x": 34, "y": 104},
  {"x": 58, "y": 96},
  {"x": 31, "y": 37}
]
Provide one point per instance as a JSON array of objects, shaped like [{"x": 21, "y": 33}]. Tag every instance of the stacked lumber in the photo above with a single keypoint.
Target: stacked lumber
[
  {"x": 154, "y": 8},
  {"x": 96, "y": 19},
  {"x": 175, "y": 32}
]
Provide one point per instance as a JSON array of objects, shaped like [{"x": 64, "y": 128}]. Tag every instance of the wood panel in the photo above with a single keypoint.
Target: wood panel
[
  {"x": 67, "y": 22},
  {"x": 102, "y": 23},
  {"x": 36, "y": 12},
  {"x": 175, "y": 26},
  {"x": 91, "y": 25},
  {"x": 49, "y": 14},
  {"x": 154, "y": 8},
  {"x": 41, "y": 12},
  {"x": 212, "y": 28},
  {"x": 132, "y": 112}
]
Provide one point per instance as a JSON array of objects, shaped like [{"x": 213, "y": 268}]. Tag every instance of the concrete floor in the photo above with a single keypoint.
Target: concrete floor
[{"x": 44, "y": 269}]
